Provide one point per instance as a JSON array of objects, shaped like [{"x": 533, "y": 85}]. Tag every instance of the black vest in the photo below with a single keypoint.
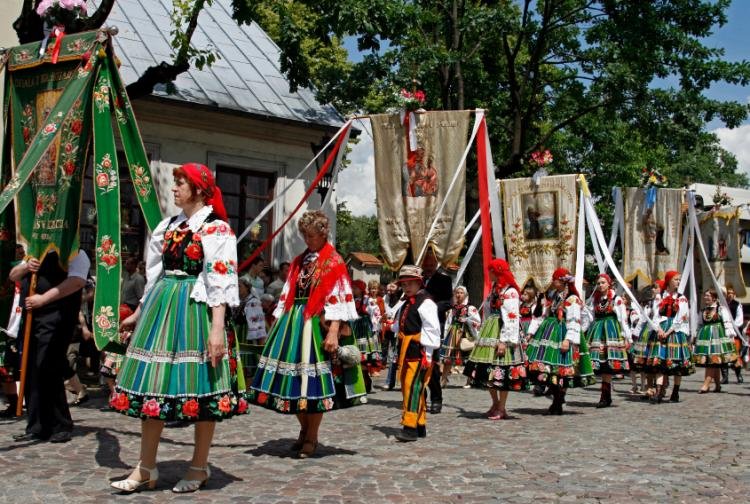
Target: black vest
[{"x": 411, "y": 323}]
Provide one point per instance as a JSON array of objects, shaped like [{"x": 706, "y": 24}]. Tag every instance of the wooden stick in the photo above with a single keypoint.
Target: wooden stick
[{"x": 25, "y": 351}]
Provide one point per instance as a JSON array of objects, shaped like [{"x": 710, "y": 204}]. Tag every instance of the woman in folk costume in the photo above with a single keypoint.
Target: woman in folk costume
[
  {"x": 462, "y": 321},
  {"x": 497, "y": 361},
  {"x": 557, "y": 353},
  {"x": 608, "y": 336},
  {"x": 634, "y": 318},
  {"x": 714, "y": 343},
  {"x": 669, "y": 354},
  {"x": 643, "y": 336},
  {"x": 177, "y": 366},
  {"x": 366, "y": 330},
  {"x": 299, "y": 372}
]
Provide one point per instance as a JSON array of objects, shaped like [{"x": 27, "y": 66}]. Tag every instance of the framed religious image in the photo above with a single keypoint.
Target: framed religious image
[{"x": 540, "y": 215}]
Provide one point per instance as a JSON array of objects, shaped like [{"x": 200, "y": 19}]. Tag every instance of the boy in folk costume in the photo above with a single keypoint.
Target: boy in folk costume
[{"x": 418, "y": 330}]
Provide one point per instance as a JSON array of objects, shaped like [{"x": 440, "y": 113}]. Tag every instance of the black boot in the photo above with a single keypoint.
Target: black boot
[
  {"x": 421, "y": 431},
  {"x": 675, "y": 397},
  {"x": 407, "y": 434},
  {"x": 436, "y": 407},
  {"x": 605, "y": 400},
  {"x": 557, "y": 401},
  {"x": 10, "y": 411},
  {"x": 738, "y": 372},
  {"x": 724, "y": 376}
]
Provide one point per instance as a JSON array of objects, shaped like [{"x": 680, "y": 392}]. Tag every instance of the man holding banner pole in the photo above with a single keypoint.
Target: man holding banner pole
[{"x": 51, "y": 299}]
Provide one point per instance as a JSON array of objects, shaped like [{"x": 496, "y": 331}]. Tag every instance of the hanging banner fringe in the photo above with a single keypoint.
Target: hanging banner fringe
[{"x": 331, "y": 157}]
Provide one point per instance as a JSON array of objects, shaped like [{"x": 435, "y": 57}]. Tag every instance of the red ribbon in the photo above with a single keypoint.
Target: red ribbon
[
  {"x": 329, "y": 161},
  {"x": 484, "y": 202},
  {"x": 59, "y": 34}
]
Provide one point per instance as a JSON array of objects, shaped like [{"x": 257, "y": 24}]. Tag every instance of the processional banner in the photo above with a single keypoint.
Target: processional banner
[
  {"x": 53, "y": 112},
  {"x": 720, "y": 235},
  {"x": 540, "y": 226},
  {"x": 653, "y": 231},
  {"x": 411, "y": 182}
]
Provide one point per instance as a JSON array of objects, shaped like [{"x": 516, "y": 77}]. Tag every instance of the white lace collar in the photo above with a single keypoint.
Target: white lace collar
[{"x": 195, "y": 222}]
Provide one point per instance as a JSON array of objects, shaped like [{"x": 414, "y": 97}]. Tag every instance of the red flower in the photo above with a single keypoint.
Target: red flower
[
  {"x": 225, "y": 405},
  {"x": 151, "y": 408},
  {"x": 197, "y": 237},
  {"x": 262, "y": 398},
  {"x": 69, "y": 167},
  {"x": 120, "y": 402},
  {"x": 109, "y": 259},
  {"x": 241, "y": 406},
  {"x": 102, "y": 180},
  {"x": 233, "y": 365},
  {"x": 220, "y": 267},
  {"x": 333, "y": 300},
  {"x": 168, "y": 235},
  {"x": 211, "y": 229},
  {"x": 348, "y": 298},
  {"x": 190, "y": 408},
  {"x": 39, "y": 206},
  {"x": 68, "y": 147},
  {"x": 576, "y": 355},
  {"x": 512, "y": 315},
  {"x": 106, "y": 245},
  {"x": 194, "y": 252},
  {"x": 26, "y": 134}
]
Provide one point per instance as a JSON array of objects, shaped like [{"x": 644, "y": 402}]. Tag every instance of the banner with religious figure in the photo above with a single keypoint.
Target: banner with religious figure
[
  {"x": 412, "y": 176},
  {"x": 58, "y": 103},
  {"x": 653, "y": 233},
  {"x": 540, "y": 226},
  {"x": 721, "y": 241}
]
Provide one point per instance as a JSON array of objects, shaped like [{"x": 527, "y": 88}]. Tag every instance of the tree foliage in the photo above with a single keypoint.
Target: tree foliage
[{"x": 356, "y": 233}]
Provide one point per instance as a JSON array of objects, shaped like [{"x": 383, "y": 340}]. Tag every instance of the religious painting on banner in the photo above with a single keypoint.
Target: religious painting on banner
[
  {"x": 540, "y": 226},
  {"x": 652, "y": 234},
  {"x": 412, "y": 177},
  {"x": 720, "y": 235}
]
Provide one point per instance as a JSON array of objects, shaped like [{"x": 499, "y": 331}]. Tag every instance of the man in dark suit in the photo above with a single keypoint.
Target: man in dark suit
[{"x": 440, "y": 288}]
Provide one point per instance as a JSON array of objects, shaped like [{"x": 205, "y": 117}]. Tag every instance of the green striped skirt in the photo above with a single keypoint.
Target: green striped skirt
[
  {"x": 607, "y": 346},
  {"x": 488, "y": 370},
  {"x": 547, "y": 364},
  {"x": 671, "y": 356},
  {"x": 295, "y": 374},
  {"x": 713, "y": 348},
  {"x": 368, "y": 343},
  {"x": 450, "y": 349},
  {"x": 166, "y": 373}
]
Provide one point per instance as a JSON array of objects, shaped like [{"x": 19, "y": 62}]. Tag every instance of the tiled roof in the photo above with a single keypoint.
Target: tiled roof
[
  {"x": 366, "y": 259},
  {"x": 246, "y": 78}
]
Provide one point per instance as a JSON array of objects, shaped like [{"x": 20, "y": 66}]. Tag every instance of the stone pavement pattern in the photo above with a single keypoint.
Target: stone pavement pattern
[{"x": 694, "y": 451}]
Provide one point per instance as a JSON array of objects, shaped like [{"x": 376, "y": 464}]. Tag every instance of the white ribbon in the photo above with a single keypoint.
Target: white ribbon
[
  {"x": 412, "y": 133},
  {"x": 581, "y": 245},
  {"x": 618, "y": 223},
  {"x": 336, "y": 166},
  {"x": 281, "y": 194},
  {"x": 467, "y": 257}
]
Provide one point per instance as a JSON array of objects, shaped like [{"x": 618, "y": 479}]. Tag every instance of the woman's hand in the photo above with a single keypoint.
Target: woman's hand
[
  {"x": 33, "y": 265},
  {"x": 35, "y": 301},
  {"x": 500, "y": 349},
  {"x": 216, "y": 346},
  {"x": 661, "y": 335},
  {"x": 128, "y": 325},
  {"x": 331, "y": 343},
  {"x": 565, "y": 346}
]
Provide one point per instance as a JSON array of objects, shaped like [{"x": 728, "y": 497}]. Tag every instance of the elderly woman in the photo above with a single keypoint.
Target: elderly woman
[
  {"x": 557, "y": 352},
  {"x": 177, "y": 366},
  {"x": 299, "y": 372},
  {"x": 497, "y": 361},
  {"x": 463, "y": 321}
]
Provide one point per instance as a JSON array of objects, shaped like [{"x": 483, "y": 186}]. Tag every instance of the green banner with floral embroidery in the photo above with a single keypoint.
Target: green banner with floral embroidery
[{"x": 55, "y": 111}]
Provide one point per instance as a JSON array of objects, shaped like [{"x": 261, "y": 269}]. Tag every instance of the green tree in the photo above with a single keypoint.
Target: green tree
[{"x": 356, "y": 233}]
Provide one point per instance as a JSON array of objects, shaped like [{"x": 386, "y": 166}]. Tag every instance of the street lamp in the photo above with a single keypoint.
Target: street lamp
[{"x": 327, "y": 181}]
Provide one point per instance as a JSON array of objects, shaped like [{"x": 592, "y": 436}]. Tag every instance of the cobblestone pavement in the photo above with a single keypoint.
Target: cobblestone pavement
[{"x": 694, "y": 451}]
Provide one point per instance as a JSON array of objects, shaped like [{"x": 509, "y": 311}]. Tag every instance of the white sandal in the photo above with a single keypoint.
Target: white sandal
[
  {"x": 187, "y": 486},
  {"x": 131, "y": 485}
]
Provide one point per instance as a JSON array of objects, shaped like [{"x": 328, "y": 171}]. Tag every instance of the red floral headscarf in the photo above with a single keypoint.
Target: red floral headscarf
[
  {"x": 504, "y": 275},
  {"x": 564, "y": 275},
  {"x": 668, "y": 276},
  {"x": 201, "y": 177}
]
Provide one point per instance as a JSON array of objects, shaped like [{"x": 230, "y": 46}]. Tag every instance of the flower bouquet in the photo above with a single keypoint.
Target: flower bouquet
[
  {"x": 57, "y": 15},
  {"x": 410, "y": 101}
]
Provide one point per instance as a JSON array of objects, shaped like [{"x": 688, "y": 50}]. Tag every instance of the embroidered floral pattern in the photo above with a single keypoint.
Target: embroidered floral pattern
[
  {"x": 141, "y": 180},
  {"x": 105, "y": 176},
  {"x": 222, "y": 267},
  {"x": 107, "y": 254},
  {"x": 101, "y": 96}
]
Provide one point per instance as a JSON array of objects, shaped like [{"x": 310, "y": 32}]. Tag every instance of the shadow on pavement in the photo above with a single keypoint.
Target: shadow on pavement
[
  {"x": 389, "y": 431},
  {"x": 542, "y": 412},
  {"x": 171, "y": 471},
  {"x": 280, "y": 448},
  {"x": 388, "y": 403}
]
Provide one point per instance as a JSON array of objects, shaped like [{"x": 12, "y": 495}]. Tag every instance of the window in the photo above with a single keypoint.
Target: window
[{"x": 245, "y": 194}]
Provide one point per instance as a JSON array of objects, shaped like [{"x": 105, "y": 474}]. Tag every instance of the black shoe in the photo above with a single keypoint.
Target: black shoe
[
  {"x": 421, "y": 431},
  {"x": 538, "y": 390},
  {"x": 407, "y": 434},
  {"x": 675, "y": 397},
  {"x": 28, "y": 436},
  {"x": 80, "y": 400},
  {"x": 738, "y": 372},
  {"x": 436, "y": 407},
  {"x": 604, "y": 403},
  {"x": 724, "y": 376},
  {"x": 60, "y": 437}
]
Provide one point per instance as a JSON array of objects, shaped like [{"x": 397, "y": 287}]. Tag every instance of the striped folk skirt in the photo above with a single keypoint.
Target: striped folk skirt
[
  {"x": 295, "y": 374},
  {"x": 671, "y": 356},
  {"x": 166, "y": 373},
  {"x": 547, "y": 364},
  {"x": 450, "y": 349},
  {"x": 368, "y": 343},
  {"x": 713, "y": 348},
  {"x": 488, "y": 370},
  {"x": 607, "y": 346}
]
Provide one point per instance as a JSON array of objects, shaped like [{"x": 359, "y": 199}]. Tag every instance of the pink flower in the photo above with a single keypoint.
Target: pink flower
[{"x": 151, "y": 408}]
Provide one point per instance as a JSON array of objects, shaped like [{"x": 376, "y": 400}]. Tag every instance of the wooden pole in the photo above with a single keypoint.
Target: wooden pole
[{"x": 25, "y": 351}]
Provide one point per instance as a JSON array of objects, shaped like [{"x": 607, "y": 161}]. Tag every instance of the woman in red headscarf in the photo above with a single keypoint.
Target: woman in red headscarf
[
  {"x": 608, "y": 336},
  {"x": 668, "y": 352},
  {"x": 557, "y": 354},
  {"x": 497, "y": 362},
  {"x": 366, "y": 329},
  {"x": 179, "y": 365},
  {"x": 642, "y": 335}
]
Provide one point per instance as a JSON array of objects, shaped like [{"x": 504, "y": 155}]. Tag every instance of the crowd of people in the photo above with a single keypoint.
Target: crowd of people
[{"x": 204, "y": 342}]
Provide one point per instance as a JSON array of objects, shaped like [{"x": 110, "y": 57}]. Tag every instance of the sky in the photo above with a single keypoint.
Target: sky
[{"x": 357, "y": 182}]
